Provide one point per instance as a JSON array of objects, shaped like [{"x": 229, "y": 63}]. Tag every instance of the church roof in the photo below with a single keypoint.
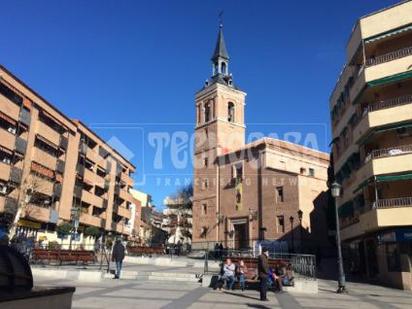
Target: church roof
[{"x": 220, "y": 49}]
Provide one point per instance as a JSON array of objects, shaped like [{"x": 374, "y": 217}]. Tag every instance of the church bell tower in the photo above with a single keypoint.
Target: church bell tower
[{"x": 219, "y": 129}]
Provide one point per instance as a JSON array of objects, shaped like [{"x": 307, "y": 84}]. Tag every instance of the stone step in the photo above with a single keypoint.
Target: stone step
[{"x": 160, "y": 276}]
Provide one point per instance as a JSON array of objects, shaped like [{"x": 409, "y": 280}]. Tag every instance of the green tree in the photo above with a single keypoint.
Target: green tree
[
  {"x": 92, "y": 231},
  {"x": 64, "y": 229}
]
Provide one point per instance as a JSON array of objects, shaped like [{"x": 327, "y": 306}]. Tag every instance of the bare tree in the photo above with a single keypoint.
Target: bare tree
[{"x": 31, "y": 185}]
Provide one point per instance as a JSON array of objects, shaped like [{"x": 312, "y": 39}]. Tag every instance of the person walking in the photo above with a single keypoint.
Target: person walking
[
  {"x": 118, "y": 256},
  {"x": 263, "y": 271}
]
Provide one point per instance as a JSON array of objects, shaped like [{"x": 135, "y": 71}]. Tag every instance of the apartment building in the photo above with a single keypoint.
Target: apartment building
[
  {"x": 56, "y": 169},
  {"x": 371, "y": 112}
]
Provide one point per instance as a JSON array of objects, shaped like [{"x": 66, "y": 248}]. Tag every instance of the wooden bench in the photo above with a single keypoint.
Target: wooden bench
[
  {"x": 61, "y": 255},
  {"x": 251, "y": 275},
  {"x": 139, "y": 250}
]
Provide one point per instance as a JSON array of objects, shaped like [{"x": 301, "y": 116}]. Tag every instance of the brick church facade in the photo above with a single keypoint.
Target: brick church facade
[{"x": 268, "y": 189}]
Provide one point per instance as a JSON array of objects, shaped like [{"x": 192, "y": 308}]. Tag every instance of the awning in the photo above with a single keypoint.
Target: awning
[
  {"x": 334, "y": 141},
  {"x": 46, "y": 141},
  {"x": 386, "y": 178},
  {"x": 8, "y": 151},
  {"x": 362, "y": 185},
  {"x": 390, "y": 79},
  {"x": 388, "y": 34},
  {"x": 8, "y": 119},
  {"x": 391, "y": 127}
]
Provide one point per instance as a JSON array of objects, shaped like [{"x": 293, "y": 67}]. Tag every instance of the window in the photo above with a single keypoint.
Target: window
[
  {"x": 206, "y": 162},
  {"x": 279, "y": 194},
  {"x": 393, "y": 257},
  {"x": 6, "y": 124},
  {"x": 224, "y": 68},
  {"x": 204, "y": 209},
  {"x": 302, "y": 171},
  {"x": 207, "y": 112},
  {"x": 231, "y": 112},
  {"x": 311, "y": 172},
  {"x": 10, "y": 94},
  {"x": 238, "y": 197},
  {"x": 237, "y": 172},
  {"x": 5, "y": 157},
  {"x": 280, "y": 224},
  {"x": 206, "y": 183}
]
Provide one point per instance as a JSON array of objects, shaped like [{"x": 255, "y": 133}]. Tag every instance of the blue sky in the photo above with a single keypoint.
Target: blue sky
[{"x": 130, "y": 69}]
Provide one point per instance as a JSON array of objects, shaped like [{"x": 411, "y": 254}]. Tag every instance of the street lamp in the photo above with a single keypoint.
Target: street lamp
[
  {"x": 300, "y": 215},
  {"x": 291, "y": 231},
  {"x": 336, "y": 192}
]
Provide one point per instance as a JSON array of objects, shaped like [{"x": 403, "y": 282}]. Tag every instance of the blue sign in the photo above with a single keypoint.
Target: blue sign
[{"x": 397, "y": 235}]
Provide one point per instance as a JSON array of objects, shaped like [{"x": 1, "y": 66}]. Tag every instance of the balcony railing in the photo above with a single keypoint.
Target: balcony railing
[
  {"x": 389, "y": 152},
  {"x": 393, "y": 203},
  {"x": 407, "y": 99},
  {"x": 400, "y": 53}
]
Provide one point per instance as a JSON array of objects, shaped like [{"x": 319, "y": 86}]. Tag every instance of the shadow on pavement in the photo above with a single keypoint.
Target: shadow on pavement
[{"x": 241, "y": 295}]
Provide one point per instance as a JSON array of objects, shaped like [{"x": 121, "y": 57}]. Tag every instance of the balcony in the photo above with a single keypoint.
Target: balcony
[
  {"x": 87, "y": 219},
  {"x": 123, "y": 212},
  {"x": 10, "y": 109},
  {"x": 60, "y": 164},
  {"x": 399, "y": 101},
  {"x": 25, "y": 117},
  {"x": 57, "y": 190},
  {"x": 126, "y": 179},
  {"x": 389, "y": 152},
  {"x": 21, "y": 145},
  {"x": 4, "y": 171},
  {"x": 93, "y": 155},
  {"x": 64, "y": 142},
  {"x": 388, "y": 212},
  {"x": 15, "y": 175},
  {"x": 382, "y": 117},
  {"x": 7, "y": 139},
  {"x": 93, "y": 178},
  {"x": 38, "y": 213},
  {"x": 8, "y": 204},
  {"x": 120, "y": 228},
  {"x": 393, "y": 203},
  {"x": 124, "y": 195},
  {"x": 45, "y": 159},
  {"x": 386, "y": 161},
  {"x": 397, "y": 54},
  {"x": 48, "y": 133},
  {"x": 92, "y": 199}
]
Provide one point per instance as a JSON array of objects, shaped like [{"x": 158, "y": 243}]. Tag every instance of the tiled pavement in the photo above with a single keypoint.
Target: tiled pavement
[{"x": 132, "y": 294}]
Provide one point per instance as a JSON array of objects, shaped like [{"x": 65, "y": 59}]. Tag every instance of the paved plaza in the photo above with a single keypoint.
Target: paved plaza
[{"x": 111, "y": 293}]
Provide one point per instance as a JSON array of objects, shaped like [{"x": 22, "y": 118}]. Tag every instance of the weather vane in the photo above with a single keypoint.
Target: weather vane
[{"x": 221, "y": 19}]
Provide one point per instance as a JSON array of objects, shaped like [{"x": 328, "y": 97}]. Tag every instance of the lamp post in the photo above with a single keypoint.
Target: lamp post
[
  {"x": 291, "y": 231},
  {"x": 336, "y": 191},
  {"x": 300, "y": 215}
]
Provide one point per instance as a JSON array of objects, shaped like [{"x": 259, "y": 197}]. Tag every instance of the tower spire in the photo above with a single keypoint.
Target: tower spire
[{"x": 220, "y": 49}]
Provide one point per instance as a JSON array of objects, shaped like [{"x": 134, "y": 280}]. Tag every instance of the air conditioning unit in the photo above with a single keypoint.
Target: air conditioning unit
[
  {"x": 12, "y": 130},
  {"x": 3, "y": 189}
]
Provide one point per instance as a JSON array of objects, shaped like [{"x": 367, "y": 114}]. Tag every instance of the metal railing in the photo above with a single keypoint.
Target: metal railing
[
  {"x": 393, "y": 202},
  {"x": 389, "y": 152},
  {"x": 303, "y": 265},
  {"x": 398, "y": 101},
  {"x": 400, "y": 53}
]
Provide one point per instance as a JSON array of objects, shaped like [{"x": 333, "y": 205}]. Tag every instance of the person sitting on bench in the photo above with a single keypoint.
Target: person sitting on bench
[
  {"x": 229, "y": 274},
  {"x": 288, "y": 278}
]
